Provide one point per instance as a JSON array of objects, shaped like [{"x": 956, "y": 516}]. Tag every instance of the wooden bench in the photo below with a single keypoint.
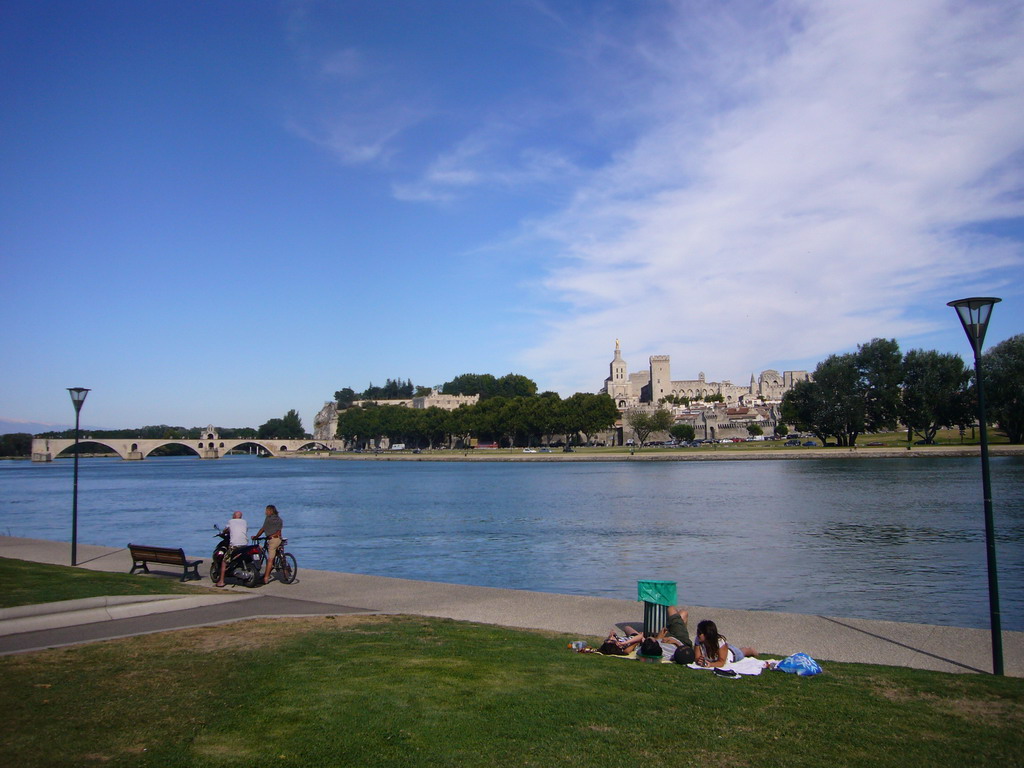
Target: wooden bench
[{"x": 142, "y": 555}]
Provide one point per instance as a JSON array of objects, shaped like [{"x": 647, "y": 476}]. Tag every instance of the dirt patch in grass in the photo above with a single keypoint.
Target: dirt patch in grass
[
  {"x": 980, "y": 711},
  {"x": 974, "y": 710}
]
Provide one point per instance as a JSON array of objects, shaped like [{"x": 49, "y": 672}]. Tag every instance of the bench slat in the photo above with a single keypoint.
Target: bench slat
[{"x": 168, "y": 555}]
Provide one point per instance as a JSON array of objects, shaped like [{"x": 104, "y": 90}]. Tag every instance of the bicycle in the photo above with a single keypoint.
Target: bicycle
[{"x": 284, "y": 562}]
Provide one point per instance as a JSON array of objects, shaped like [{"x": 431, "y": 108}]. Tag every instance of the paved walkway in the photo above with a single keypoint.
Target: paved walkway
[{"x": 947, "y": 649}]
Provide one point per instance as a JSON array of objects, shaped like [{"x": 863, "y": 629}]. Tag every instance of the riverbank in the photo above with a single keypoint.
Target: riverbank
[
  {"x": 863, "y": 641},
  {"x": 720, "y": 453}
]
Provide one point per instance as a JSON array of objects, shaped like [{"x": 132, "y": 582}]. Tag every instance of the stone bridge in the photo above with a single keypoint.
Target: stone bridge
[{"x": 209, "y": 446}]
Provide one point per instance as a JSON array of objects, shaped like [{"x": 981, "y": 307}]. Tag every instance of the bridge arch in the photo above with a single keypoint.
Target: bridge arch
[
  {"x": 162, "y": 444},
  {"x": 104, "y": 443},
  {"x": 313, "y": 445}
]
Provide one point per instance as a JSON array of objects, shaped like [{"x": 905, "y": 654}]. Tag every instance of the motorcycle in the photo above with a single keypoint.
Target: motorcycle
[{"x": 244, "y": 564}]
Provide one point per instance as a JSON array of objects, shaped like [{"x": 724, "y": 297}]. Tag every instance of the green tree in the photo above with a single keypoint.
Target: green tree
[
  {"x": 674, "y": 400},
  {"x": 781, "y": 430},
  {"x": 588, "y": 414},
  {"x": 684, "y": 433},
  {"x": 393, "y": 389},
  {"x": 436, "y": 426},
  {"x": 1003, "y": 369},
  {"x": 548, "y": 416},
  {"x": 359, "y": 425},
  {"x": 936, "y": 392},
  {"x": 644, "y": 424},
  {"x": 484, "y": 385},
  {"x": 487, "y": 386},
  {"x": 850, "y": 394},
  {"x": 880, "y": 365},
  {"x": 16, "y": 444},
  {"x": 287, "y": 428},
  {"x": 514, "y": 385},
  {"x": 754, "y": 430},
  {"x": 662, "y": 420},
  {"x": 345, "y": 397},
  {"x": 462, "y": 424}
]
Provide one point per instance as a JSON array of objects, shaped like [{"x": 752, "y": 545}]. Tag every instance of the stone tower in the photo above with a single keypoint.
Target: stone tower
[
  {"x": 661, "y": 378},
  {"x": 617, "y": 385}
]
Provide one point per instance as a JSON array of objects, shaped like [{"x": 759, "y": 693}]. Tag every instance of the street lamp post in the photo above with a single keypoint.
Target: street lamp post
[
  {"x": 974, "y": 316},
  {"x": 77, "y": 398}
]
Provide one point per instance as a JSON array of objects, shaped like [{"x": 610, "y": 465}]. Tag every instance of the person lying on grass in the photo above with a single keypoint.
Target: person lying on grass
[
  {"x": 673, "y": 639},
  {"x": 712, "y": 650},
  {"x": 621, "y": 645}
]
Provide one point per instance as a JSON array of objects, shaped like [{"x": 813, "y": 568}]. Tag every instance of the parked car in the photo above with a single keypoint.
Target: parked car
[
  {"x": 792, "y": 442},
  {"x": 810, "y": 444},
  {"x": 529, "y": 450}
]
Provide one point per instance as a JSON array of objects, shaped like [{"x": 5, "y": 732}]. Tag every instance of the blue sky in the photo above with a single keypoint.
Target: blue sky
[{"x": 217, "y": 211}]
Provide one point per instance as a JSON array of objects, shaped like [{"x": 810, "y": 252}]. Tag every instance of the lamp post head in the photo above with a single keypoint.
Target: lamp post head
[
  {"x": 974, "y": 316},
  {"x": 78, "y": 396}
]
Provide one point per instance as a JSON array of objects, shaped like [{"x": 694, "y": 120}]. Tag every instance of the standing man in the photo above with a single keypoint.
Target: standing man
[
  {"x": 238, "y": 531},
  {"x": 272, "y": 526}
]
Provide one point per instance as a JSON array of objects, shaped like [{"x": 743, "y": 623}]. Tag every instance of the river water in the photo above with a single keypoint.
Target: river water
[{"x": 896, "y": 539}]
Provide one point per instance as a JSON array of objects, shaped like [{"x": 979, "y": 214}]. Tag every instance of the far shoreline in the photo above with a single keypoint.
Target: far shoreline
[{"x": 796, "y": 454}]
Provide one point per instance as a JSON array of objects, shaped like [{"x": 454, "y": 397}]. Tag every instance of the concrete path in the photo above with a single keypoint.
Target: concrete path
[{"x": 947, "y": 649}]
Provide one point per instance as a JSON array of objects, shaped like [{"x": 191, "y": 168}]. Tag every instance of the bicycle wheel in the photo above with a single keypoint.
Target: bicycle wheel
[{"x": 287, "y": 567}]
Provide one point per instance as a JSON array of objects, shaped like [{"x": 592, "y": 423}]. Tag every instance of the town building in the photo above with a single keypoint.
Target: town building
[
  {"x": 655, "y": 385},
  {"x": 757, "y": 404}
]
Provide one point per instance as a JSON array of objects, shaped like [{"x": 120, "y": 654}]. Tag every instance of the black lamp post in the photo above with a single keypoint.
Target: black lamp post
[
  {"x": 974, "y": 315},
  {"x": 77, "y": 398}
]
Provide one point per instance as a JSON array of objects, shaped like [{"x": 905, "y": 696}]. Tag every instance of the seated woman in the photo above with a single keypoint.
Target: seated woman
[{"x": 712, "y": 650}]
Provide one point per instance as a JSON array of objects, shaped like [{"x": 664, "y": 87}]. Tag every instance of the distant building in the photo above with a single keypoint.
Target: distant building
[
  {"x": 650, "y": 387},
  {"x": 448, "y": 402},
  {"x": 325, "y": 423}
]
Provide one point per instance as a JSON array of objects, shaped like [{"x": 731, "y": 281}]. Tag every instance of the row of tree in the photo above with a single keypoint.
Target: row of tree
[
  {"x": 289, "y": 427},
  {"x": 483, "y": 384},
  {"x": 507, "y": 421},
  {"x": 16, "y": 444},
  {"x": 393, "y": 389},
  {"x": 878, "y": 389}
]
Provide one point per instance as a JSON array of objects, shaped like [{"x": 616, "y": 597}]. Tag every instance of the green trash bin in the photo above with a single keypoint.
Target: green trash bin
[{"x": 656, "y": 596}]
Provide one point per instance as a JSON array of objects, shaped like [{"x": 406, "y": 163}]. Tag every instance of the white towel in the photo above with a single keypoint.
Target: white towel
[{"x": 745, "y": 666}]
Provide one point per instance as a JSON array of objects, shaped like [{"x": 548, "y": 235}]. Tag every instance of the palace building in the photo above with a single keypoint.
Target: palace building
[{"x": 654, "y": 385}]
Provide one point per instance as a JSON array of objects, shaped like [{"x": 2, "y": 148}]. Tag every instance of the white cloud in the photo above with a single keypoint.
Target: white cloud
[
  {"x": 489, "y": 158},
  {"x": 358, "y": 137},
  {"x": 802, "y": 180}
]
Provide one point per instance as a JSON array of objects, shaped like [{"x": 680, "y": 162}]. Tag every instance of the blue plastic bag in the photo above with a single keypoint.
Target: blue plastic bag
[{"x": 799, "y": 664}]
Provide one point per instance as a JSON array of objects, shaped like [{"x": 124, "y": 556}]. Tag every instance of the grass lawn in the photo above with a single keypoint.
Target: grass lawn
[
  {"x": 403, "y": 691},
  {"x": 410, "y": 691},
  {"x": 25, "y": 583}
]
